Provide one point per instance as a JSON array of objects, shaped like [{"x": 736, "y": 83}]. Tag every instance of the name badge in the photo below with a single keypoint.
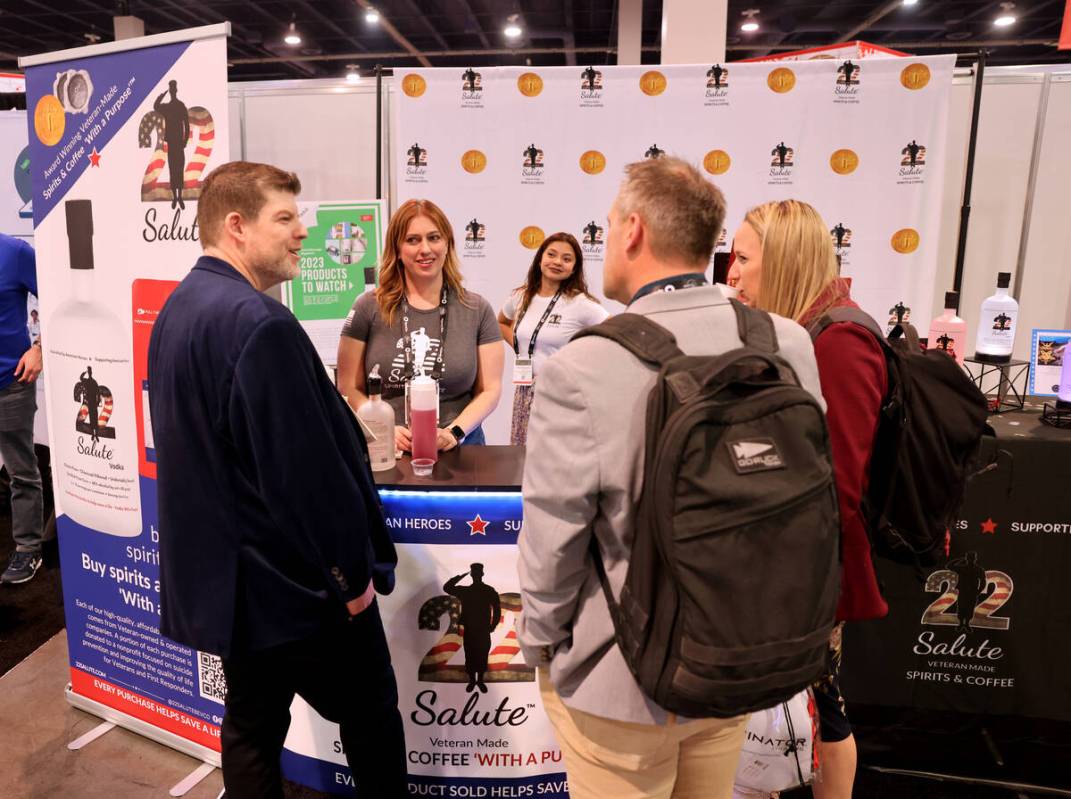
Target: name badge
[{"x": 522, "y": 372}]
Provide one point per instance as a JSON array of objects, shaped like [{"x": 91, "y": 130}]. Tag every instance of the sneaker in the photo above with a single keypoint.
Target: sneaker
[{"x": 22, "y": 567}]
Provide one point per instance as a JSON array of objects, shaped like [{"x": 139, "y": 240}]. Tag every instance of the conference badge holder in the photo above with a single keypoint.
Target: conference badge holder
[{"x": 522, "y": 372}]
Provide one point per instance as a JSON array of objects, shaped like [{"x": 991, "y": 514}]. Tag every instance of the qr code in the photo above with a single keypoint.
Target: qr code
[{"x": 210, "y": 677}]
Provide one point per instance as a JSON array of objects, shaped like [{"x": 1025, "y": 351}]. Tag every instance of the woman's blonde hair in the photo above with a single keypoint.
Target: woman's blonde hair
[
  {"x": 391, "y": 289},
  {"x": 798, "y": 262}
]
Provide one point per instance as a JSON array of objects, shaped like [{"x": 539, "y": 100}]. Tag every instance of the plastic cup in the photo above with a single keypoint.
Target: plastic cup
[{"x": 422, "y": 467}]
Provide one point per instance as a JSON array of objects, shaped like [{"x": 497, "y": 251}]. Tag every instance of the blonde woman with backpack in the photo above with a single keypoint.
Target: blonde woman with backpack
[{"x": 785, "y": 264}]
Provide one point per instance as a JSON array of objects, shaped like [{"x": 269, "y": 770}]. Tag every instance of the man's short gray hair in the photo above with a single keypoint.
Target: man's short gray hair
[{"x": 682, "y": 211}]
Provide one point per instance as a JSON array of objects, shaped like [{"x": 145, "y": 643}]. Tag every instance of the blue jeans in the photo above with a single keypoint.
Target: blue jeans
[
  {"x": 475, "y": 439},
  {"x": 18, "y": 404}
]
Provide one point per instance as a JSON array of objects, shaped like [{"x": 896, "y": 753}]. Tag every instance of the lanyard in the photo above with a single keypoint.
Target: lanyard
[
  {"x": 538, "y": 327},
  {"x": 688, "y": 281},
  {"x": 440, "y": 367}
]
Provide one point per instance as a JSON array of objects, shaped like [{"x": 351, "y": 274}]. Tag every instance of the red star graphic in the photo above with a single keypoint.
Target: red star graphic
[
  {"x": 477, "y": 526},
  {"x": 989, "y": 526},
  {"x": 94, "y": 157}
]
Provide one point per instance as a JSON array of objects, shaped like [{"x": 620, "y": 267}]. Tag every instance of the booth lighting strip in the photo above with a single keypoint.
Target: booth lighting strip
[{"x": 396, "y": 492}]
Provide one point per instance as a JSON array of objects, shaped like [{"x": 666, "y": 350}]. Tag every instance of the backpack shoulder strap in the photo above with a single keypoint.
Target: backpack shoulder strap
[
  {"x": 647, "y": 340},
  {"x": 755, "y": 327},
  {"x": 846, "y": 313}
]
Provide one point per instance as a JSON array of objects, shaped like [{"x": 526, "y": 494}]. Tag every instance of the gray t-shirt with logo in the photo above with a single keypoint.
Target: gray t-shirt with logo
[{"x": 468, "y": 325}]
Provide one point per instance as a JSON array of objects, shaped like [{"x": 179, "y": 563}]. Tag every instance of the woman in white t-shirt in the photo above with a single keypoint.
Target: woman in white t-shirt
[{"x": 541, "y": 316}]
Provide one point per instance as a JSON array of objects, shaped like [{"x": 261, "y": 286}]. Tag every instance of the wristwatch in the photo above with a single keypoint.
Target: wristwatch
[{"x": 457, "y": 433}]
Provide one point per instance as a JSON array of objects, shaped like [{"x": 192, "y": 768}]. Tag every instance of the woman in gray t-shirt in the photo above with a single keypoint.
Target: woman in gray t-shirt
[{"x": 420, "y": 291}]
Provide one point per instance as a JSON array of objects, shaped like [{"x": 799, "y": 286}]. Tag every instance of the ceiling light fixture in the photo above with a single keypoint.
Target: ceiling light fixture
[
  {"x": 513, "y": 26},
  {"x": 750, "y": 24},
  {"x": 292, "y": 38},
  {"x": 352, "y": 74},
  {"x": 911, "y": 2},
  {"x": 371, "y": 16},
  {"x": 1006, "y": 17}
]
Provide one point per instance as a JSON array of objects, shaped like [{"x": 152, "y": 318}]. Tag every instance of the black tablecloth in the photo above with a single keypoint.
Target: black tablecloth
[{"x": 1014, "y": 540}]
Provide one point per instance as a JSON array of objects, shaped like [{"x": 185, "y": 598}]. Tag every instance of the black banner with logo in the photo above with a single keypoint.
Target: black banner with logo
[{"x": 986, "y": 631}]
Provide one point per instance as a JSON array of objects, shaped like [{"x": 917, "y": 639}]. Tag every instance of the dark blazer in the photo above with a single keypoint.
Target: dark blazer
[{"x": 269, "y": 518}]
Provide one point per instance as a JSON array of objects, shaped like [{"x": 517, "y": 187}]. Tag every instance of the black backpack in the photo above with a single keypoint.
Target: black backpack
[
  {"x": 929, "y": 431},
  {"x": 733, "y": 576}
]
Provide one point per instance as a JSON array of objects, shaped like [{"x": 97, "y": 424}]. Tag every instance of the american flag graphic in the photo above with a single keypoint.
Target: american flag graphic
[
  {"x": 105, "y": 411},
  {"x": 937, "y": 613},
  {"x": 155, "y": 185},
  {"x": 436, "y": 666}
]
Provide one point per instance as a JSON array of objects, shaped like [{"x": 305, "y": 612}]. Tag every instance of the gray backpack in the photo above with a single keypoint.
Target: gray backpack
[{"x": 733, "y": 577}]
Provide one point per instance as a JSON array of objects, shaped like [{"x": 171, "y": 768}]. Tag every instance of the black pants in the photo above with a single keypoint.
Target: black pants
[{"x": 345, "y": 674}]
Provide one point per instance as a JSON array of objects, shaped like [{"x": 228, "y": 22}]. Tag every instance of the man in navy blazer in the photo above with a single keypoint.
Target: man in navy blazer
[{"x": 272, "y": 541}]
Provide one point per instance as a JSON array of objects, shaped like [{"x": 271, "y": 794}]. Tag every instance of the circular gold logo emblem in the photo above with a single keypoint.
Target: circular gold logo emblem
[
  {"x": 652, "y": 83},
  {"x": 593, "y": 162},
  {"x": 49, "y": 120},
  {"x": 915, "y": 76},
  {"x": 844, "y": 162},
  {"x": 473, "y": 161},
  {"x": 532, "y": 237},
  {"x": 782, "y": 80},
  {"x": 717, "y": 162},
  {"x": 530, "y": 84},
  {"x": 414, "y": 85},
  {"x": 905, "y": 241}
]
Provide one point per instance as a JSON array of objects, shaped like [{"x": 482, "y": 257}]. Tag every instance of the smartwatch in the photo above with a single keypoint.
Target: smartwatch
[{"x": 457, "y": 433}]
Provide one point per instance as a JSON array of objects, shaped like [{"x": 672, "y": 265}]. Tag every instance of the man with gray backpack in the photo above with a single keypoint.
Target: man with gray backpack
[{"x": 679, "y": 554}]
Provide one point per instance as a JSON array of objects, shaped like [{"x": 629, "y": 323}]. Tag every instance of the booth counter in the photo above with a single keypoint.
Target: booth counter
[{"x": 454, "y": 531}]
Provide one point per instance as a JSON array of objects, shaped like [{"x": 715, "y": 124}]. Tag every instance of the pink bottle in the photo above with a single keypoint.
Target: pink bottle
[{"x": 948, "y": 332}]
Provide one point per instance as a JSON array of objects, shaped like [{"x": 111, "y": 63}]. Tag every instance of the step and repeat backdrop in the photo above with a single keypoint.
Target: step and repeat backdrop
[{"x": 515, "y": 154}]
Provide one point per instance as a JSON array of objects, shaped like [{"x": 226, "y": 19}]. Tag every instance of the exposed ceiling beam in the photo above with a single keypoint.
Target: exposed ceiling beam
[
  {"x": 466, "y": 9},
  {"x": 422, "y": 15},
  {"x": 736, "y": 48},
  {"x": 881, "y": 13},
  {"x": 326, "y": 21},
  {"x": 394, "y": 34}
]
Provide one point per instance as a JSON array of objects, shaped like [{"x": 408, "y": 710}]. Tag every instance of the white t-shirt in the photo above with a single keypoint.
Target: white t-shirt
[{"x": 570, "y": 315}]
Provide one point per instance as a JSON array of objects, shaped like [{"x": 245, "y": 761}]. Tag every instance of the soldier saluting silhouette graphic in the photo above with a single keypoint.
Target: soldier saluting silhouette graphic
[
  {"x": 781, "y": 151},
  {"x": 176, "y": 133},
  {"x": 481, "y": 611}
]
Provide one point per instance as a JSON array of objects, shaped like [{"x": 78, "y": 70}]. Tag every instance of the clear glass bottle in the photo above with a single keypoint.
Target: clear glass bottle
[
  {"x": 996, "y": 325},
  {"x": 90, "y": 369},
  {"x": 377, "y": 422}
]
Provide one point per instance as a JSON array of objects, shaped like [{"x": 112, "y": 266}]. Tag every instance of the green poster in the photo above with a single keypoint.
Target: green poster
[{"x": 338, "y": 264}]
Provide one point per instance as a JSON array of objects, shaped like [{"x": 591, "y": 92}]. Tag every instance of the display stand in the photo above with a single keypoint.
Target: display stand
[
  {"x": 1058, "y": 415},
  {"x": 1010, "y": 382}
]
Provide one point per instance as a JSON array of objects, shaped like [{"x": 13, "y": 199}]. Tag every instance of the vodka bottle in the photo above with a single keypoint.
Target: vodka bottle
[{"x": 90, "y": 372}]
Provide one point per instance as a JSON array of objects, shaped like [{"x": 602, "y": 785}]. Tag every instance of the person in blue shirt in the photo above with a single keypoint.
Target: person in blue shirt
[
  {"x": 272, "y": 539},
  {"x": 20, "y": 364}
]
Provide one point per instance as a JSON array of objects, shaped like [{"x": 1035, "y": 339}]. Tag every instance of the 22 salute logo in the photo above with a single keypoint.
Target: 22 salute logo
[
  {"x": 533, "y": 165},
  {"x": 846, "y": 88},
  {"x": 170, "y": 129},
  {"x": 970, "y": 599},
  {"x": 474, "y": 612},
  {"x": 912, "y": 163},
  {"x": 591, "y": 88},
  {"x": 475, "y": 236},
  {"x": 717, "y": 86}
]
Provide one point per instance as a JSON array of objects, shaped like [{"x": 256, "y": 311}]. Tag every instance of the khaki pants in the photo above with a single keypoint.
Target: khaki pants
[{"x": 608, "y": 759}]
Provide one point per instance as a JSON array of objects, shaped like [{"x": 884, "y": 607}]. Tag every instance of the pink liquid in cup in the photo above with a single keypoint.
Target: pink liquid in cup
[{"x": 425, "y": 444}]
